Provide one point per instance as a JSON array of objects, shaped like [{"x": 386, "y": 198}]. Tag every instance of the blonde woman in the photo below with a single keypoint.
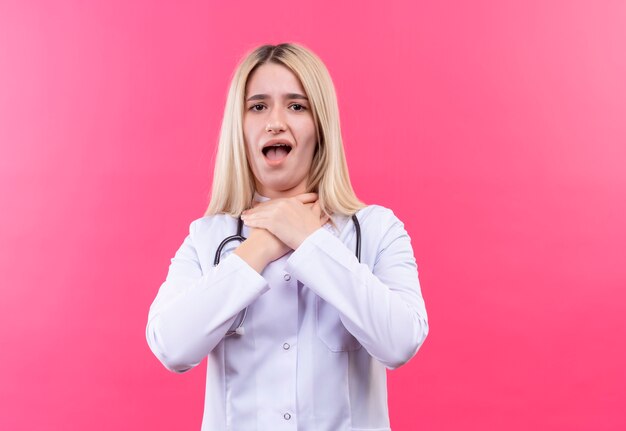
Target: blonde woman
[{"x": 299, "y": 294}]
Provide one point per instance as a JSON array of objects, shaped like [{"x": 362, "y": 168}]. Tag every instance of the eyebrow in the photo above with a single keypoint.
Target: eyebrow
[{"x": 286, "y": 96}]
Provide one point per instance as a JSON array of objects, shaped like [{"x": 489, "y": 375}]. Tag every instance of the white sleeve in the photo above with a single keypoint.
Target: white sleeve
[
  {"x": 192, "y": 311},
  {"x": 382, "y": 308}
]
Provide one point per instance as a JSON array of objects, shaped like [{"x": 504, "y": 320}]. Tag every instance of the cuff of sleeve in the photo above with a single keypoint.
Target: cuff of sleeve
[
  {"x": 320, "y": 241},
  {"x": 249, "y": 277}
]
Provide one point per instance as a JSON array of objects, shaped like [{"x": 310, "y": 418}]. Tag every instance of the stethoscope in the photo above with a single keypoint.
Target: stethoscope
[{"x": 239, "y": 330}]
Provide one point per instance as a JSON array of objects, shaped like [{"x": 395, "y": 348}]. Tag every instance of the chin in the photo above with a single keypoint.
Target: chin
[{"x": 279, "y": 187}]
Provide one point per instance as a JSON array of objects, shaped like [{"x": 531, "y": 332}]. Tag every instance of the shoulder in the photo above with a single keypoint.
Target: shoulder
[
  {"x": 381, "y": 225},
  {"x": 211, "y": 225},
  {"x": 377, "y": 215},
  {"x": 381, "y": 231},
  {"x": 206, "y": 233}
]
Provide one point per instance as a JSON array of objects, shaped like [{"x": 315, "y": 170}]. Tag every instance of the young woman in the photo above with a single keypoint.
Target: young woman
[{"x": 301, "y": 318}]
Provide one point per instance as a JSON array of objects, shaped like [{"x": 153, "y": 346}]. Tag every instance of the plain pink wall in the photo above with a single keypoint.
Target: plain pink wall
[{"x": 495, "y": 130}]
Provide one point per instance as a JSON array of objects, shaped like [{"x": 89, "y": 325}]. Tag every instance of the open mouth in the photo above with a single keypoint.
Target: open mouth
[{"x": 276, "y": 151}]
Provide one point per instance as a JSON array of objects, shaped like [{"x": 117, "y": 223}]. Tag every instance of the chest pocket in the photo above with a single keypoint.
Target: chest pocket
[{"x": 330, "y": 328}]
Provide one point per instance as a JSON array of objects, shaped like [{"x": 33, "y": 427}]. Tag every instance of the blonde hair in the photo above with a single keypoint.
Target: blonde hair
[{"x": 233, "y": 181}]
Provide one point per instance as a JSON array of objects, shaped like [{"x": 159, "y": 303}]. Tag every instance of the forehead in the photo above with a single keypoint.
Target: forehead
[{"x": 272, "y": 78}]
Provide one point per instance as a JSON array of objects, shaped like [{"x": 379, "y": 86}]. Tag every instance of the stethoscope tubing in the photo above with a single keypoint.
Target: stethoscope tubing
[{"x": 238, "y": 237}]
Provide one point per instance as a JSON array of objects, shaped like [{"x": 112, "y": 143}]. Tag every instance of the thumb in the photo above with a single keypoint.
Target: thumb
[{"x": 317, "y": 210}]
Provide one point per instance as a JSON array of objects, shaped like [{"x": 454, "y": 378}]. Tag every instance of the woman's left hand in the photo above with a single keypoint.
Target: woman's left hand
[{"x": 291, "y": 220}]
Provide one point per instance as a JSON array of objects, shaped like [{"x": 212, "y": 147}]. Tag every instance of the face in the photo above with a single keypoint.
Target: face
[{"x": 279, "y": 131}]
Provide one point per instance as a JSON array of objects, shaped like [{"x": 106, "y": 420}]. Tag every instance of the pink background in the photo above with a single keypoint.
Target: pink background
[{"x": 495, "y": 130}]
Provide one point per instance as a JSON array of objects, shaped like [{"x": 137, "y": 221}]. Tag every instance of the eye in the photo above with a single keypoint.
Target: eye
[
  {"x": 257, "y": 107},
  {"x": 297, "y": 107}
]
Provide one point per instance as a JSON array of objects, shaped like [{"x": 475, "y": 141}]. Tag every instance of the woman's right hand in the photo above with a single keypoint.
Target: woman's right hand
[
  {"x": 290, "y": 219},
  {"x": 260, "y": 248}
]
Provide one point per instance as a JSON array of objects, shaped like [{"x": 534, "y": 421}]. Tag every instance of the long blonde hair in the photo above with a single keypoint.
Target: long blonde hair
[{"x": 233, "y": 181}]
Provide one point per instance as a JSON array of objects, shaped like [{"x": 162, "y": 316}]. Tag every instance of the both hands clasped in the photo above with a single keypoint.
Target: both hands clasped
[{"x": 281, "y": 225}]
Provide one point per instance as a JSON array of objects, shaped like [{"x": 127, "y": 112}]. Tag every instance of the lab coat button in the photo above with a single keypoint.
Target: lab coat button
[
  {"x": 286, "y": 346},
  {"x": 287, "y": 277},
  {"x": 287, "y": 416}
]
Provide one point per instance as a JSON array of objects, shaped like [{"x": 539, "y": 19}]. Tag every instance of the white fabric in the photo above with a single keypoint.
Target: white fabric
[{"x": 320, "y": 329}]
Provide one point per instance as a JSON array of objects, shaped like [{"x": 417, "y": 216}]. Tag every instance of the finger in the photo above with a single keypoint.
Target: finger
[
  {"x": 264, "y": 211},
  {"x": 260, "y": 219},
  {"x": 316, "y": 209},
  {"x": 254, "y": 222},
  {"x": 306, "y": 198},
  {"x": 324, "y": 219}
]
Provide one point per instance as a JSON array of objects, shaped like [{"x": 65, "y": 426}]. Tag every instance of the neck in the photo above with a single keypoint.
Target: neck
[{"x": 276, "y": 194}]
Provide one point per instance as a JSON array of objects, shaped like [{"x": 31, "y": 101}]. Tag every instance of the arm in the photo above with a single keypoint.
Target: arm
[
  {"x": 192, "y": 311},
  {"x": 383, "y": 308}
]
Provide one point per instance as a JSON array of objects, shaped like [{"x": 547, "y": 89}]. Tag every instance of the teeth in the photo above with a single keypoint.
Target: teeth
[{"x": 279, "y": 145}]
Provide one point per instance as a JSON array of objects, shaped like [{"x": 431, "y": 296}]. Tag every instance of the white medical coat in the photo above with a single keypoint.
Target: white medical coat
[{"x": 320, "y": 330}]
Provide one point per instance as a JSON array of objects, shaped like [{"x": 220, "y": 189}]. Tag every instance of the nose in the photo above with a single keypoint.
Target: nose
[
  {"x": 275, "y": 127},
  {"x": 275, "y": 124}
]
